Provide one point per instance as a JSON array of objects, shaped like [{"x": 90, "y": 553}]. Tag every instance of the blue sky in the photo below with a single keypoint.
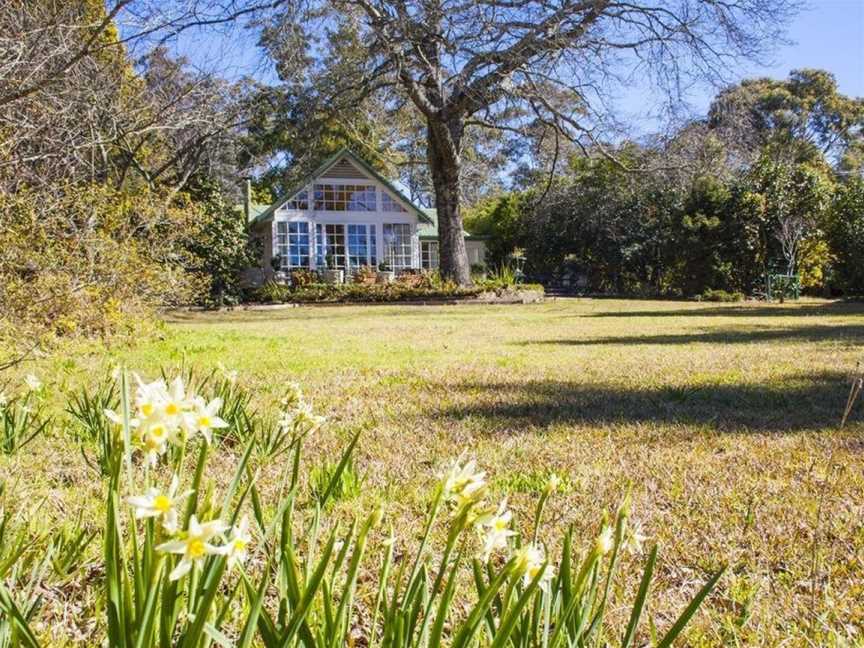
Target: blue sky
[{"x": 828, "y": 35}]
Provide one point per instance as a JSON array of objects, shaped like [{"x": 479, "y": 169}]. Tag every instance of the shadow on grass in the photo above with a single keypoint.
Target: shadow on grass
[
  {"x": 848, "y": 334},
  {"x": 800, "y": 402},
  {"x": 801, "y": 310}
]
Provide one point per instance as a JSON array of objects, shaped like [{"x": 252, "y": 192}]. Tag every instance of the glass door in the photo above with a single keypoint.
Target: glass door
[{"x": 330, "y": 246}]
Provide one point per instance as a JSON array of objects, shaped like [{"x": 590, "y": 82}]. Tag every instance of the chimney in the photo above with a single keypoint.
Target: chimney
[{"x": 247, "y": 199}]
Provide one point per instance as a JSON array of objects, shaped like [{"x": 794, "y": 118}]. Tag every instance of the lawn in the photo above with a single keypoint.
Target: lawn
[{"x": 723, "y": 419}]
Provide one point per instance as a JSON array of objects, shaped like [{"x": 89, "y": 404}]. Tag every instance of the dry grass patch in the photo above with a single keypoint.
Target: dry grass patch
[{"x": 722, "y": 418}]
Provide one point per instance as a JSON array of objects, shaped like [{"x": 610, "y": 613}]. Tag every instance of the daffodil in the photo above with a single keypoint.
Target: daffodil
[
  {"x": 194, "y": 546},
  {"x": 4, "y": 401},
  {"x": 464, "y": 484},
  {"x": 154, "y": 437},
  {"x": 301, "y": 419},
  {"x": 175, "y": 402},
  {"x": 495, "y": 528},
  {"x": 605, "y": 541},
  {"x": 293, "y": 397},
  {"x": 635, "y": 538},
  {"x": 32, "y": 382},
  {"x": 117, "y": 420},
  {"x": 236, "y": 547},
  {"x": 553, "y": 484},
  {"x": 530, "y": 559},
  {"x": 156, "y": 504},
  {"x": 149, "y": 396},
  {"x": 230, "y": 375},
  {"x": 204, "y": 418}
]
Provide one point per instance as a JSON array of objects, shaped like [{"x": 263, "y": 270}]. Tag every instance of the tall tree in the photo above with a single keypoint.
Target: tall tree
[
  {"x": 506, "y": 64},
  {"x": 803, "y": 118}
]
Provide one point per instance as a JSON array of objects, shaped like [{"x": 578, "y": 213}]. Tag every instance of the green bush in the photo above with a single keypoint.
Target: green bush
[
  {"x": 722, "y": 296},
  {"x": 407, "y": 288}
]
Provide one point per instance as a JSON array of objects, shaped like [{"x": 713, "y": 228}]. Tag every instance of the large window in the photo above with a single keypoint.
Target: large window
[
  {"x": 292, "y": 244},
  {"x": 300, "y": 201},
  {"x": 361, "y": 246},
  {"x": 429, "y": 255},
  {"x": 330, "y": 246},
  {"x": 397, "y": 245},
  {"x": 389, "y": 204},
  {"x": 337, "y": 197}
]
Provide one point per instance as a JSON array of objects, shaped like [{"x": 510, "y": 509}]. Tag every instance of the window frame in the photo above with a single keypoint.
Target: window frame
[
  {"x": 405, "y": 251},
  {"x": 291, "y": 234},
  {"x": 426, "y": 255}
]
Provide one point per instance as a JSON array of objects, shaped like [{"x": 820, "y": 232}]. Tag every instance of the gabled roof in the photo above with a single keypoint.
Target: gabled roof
[{"x": 333, "y": 159}]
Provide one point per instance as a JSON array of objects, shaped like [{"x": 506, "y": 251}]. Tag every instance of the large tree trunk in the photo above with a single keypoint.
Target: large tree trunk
[{"x": 443, "y": 151}]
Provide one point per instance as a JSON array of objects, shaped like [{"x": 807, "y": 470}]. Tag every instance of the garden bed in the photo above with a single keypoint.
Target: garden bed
[{"x": 275, "y": 294}]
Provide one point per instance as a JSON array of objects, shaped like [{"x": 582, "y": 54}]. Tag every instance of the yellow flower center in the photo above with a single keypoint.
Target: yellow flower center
[
  {"x": 162, "y": 503},
  {"x": 239, "y": 544},
  {"x": 500, "y": 524},
  {"x": 157, "y": 431},
  {"x": 204, "y": 421},
  {"x": 196, "y": 548},
  {"x": 171, "y": 409},
  {"x": 147, "y": 409}
]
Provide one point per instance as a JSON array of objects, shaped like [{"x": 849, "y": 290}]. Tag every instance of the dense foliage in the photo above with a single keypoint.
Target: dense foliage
[
  {"x": 719, "y": 206},
  {"x": 115, "y": 178}
]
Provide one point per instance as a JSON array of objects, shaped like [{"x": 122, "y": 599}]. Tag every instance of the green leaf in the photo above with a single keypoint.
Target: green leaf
[
  {"x": 685, "y": 617},
  {"x": 641, "y": 597}
]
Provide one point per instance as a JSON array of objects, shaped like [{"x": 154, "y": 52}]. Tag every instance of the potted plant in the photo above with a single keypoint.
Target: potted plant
[
  {"x": 332, "y": 275},
  {"x": 279, "y": 275},
  {"x": 385, "y": 273}
]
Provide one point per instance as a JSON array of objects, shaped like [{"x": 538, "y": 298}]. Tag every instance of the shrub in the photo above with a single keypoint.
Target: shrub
[
  {"x": 273, "y": 293},
  {"x": 712, "y": 295},
  {"x": 186, "y": 566},
  {"x": 365, "y": 275},
  {"x": 301, "y": 277}
]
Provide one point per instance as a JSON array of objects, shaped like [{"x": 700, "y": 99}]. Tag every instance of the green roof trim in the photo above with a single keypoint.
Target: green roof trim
[
  {"x": 343, "y": 152},
  {"x": 430, "y": 231}
]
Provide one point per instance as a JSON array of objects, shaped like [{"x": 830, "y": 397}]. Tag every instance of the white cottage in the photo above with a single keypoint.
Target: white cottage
[{"x": 345, "y": 215}]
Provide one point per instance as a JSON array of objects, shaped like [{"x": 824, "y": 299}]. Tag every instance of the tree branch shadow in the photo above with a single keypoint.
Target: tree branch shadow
[
  {"x": 800, "y": 402},
  {"x": 851, "y": 334}
]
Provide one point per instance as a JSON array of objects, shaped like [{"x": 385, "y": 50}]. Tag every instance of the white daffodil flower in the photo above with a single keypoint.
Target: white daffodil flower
[
  {"x": 464, "y": 484},
  {"x": 302, "y": 419},
  {"x": 495, "y": 528},
  {"x": 205, "y": 418},
  {"x": 635, "y": 538},
  {"x": 605, "y": 541},
  {"x": 236, "y": 548},
  {"x": 175, "y": 402},
  {"x": 149, "y": 396},
  {"x": 156, "y": 504},
  {"x": 154, "y": 439},
  {"x": 32, "y": 382},
  {"x": 195, "y": 546},
  {"x": 293, "y": 396},
  {"x": 553, "y": 484},
  {"x": 229, "y": 375},
  {"x": 117, "y": 419},
  {"x": 529, "y": 561}
]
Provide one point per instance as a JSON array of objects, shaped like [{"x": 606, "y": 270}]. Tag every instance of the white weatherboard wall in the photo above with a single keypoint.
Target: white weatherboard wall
[{"x": 343, "y": 172}]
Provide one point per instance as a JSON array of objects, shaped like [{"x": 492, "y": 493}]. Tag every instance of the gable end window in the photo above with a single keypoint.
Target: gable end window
[
  {"x": 300, "y": 201},
  {"x": 390, "y": 205},
  {"x": 348, "y": 197}
]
